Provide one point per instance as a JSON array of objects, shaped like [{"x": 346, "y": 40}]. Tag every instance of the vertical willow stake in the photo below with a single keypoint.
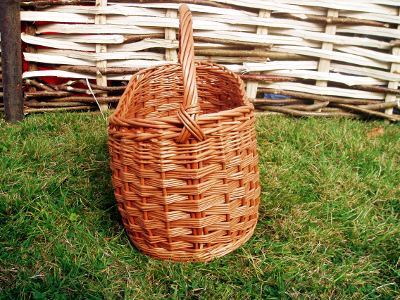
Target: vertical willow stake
[
  {"x": 11, "y": 60},
  {"x": 393, "y": 84},
  {"x": 252, "y": 86},
  {"x": 325, "y": 64},
  {"x": 101, "y": 79},
  {"x": 170, "y": 35}
]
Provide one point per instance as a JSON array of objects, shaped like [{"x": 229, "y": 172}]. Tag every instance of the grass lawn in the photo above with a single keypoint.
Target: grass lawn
[{"x": 329, "y": 220}]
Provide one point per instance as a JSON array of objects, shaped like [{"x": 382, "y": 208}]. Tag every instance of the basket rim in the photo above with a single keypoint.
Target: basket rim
[{"x": 156, "y": 122}]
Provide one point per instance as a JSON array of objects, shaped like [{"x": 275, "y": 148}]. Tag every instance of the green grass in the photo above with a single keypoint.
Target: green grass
[{"x": 329, "y": 219}]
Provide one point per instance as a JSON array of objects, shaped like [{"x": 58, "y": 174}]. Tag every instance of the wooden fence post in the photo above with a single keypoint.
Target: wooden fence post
[{"x": 11, "y": 60}]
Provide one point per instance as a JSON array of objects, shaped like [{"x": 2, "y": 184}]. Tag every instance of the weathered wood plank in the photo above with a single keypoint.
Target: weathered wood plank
[{"x": 11, "y": 60}]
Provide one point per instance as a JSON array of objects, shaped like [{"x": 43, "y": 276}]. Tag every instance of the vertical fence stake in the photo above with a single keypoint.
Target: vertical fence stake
[
  {"x": 32, "y": 66},
  {"x": 11, "y": 60},
  {"x": 100, "y": 48},
  {"x": 252, "y": 86},
  {"x": 325, "y": 64},
  {"x": 170, "y": 35},
  {"x": 393, "y": 84}
]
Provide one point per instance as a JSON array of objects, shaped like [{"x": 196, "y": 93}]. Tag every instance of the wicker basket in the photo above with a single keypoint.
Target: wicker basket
[{"x": 184, "y": 158}]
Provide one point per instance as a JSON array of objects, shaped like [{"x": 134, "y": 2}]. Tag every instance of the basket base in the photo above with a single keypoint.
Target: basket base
[{"x": 200, "y": 255}]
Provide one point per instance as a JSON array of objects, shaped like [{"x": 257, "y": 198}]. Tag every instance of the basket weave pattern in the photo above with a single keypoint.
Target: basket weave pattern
[{"x": 184, "y": 159}]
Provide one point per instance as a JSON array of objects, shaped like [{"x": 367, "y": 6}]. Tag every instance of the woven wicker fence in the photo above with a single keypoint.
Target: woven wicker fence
[{"x": 323, "y": 58}]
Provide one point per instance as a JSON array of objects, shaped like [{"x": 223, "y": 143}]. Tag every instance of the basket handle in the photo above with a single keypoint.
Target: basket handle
[{"x": 190, "y": 109}]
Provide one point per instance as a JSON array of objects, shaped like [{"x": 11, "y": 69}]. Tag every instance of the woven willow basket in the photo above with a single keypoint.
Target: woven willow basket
[{"x": 184, "y": 158}]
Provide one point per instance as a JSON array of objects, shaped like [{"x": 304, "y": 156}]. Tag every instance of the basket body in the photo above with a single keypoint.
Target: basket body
[{"x": 191, "y": 201}]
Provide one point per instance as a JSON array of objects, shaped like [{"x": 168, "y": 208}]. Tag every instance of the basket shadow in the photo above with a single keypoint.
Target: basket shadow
[{"x": 101, "y": 189}]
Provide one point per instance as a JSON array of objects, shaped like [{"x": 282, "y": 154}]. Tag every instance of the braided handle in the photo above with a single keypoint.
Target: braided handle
[{"x": 190, "y": 109}]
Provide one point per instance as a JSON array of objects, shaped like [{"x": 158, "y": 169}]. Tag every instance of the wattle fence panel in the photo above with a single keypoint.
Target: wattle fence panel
[{"x": 302, "y": 58}]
